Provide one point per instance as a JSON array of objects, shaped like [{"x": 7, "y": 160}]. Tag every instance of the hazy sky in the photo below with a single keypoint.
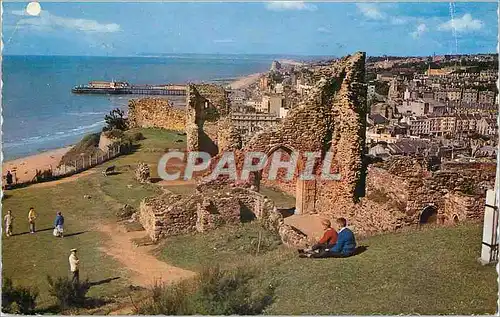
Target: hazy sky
[{"x": 302, "y": 28}]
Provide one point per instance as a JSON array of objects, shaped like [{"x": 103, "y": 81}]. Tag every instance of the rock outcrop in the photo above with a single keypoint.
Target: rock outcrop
[{"x": 142, "y": 173}]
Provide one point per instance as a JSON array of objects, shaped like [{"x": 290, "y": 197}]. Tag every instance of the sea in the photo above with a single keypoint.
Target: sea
[{"x": 40, "y": 113}]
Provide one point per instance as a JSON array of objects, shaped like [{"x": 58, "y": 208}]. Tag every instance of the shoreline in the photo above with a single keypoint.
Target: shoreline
[
  {"x": 26, "y": 166},
  {"x": 244, "y": 81}
]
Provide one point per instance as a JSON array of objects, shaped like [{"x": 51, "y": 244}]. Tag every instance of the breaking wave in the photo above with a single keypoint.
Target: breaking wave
[{"x": 81, "y": 130}]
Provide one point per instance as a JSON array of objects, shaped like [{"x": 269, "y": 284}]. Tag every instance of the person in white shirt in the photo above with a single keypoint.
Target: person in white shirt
[
  {"x": 8, "y": 219},
  {"x": 74, "y": 264}
]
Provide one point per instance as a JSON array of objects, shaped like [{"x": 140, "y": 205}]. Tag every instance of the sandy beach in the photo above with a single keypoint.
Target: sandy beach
[
  {"x": 246, "y": 81},
  {"x": 291, "y": 62},
  {"x": 25, "y": 168}
]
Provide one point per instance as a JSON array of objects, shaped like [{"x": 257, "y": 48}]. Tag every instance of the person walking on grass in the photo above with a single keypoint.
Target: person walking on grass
[
  {"x": 74, "y": 266},
  {"x": 58, "y": 225},
  {"x": 8, "y": 219},
  {"x": 31, "y": 219}
]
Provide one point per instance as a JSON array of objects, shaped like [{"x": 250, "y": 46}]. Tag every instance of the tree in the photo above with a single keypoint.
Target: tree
[{"x": 115, "y": 120}]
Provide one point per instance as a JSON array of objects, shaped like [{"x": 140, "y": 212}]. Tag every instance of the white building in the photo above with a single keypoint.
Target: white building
[{"x": 271, "y": 104}]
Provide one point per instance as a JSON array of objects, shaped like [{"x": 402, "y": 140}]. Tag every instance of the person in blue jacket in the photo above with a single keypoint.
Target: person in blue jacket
[
  {"x": 344, "y": 247},
  {"x": 59, "y": 223}
]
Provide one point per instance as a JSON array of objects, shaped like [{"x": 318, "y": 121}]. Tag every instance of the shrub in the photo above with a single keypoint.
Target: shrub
[
  {"x": 67, "y": 293},
  {"x": 89, "y": 146},
  {"x": 125, "y": 212},
  {"x": 213, "y": 292},
  {"x": 42, "y": 175},
  {"x": 138, "y": 136},
  {"x": 18, "y": 300},
  {"x": 167, "y": 300},
  {"x": 115, "y": 120},
  {"x": 227, "y": 292},
  {"x": 114, "y": 134}
]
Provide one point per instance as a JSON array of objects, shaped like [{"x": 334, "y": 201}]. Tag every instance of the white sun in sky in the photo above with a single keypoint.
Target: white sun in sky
[{"x": 33, "y": 8}]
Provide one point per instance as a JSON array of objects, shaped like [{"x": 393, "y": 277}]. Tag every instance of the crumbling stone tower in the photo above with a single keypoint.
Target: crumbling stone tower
[{"x": 331, "y": 119}]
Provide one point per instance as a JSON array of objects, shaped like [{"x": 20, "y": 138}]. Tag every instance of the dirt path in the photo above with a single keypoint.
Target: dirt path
[{"x": 145, "y": 268}]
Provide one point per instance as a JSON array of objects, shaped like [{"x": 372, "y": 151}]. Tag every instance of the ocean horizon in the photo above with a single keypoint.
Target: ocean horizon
[{"x": 40, "y": 113}]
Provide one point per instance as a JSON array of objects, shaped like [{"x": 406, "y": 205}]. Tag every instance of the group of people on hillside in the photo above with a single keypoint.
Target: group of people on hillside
[
  {"x": 74, "y": 262},
  {"x": 333, "y": 244},
  {"x": 58, "y": 223}
]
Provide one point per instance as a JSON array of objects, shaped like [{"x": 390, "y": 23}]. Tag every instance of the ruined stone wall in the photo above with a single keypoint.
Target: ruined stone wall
[
  {"x": 217, "y": 96},
  {"x": 215, "y": 210},
  {"x": 228, "y": 137},
  {"x": 398, "y": 191},
  {"x": 155, "y": 113},
  {"x": 163, "y": 216},
  {"x": 330, "y": 118},
  {"x": 197, "y": 107},
  {"x": 204, "y": 105},
  {"x": 215, "y": 204},
  {"x": 463, "y": 207}
]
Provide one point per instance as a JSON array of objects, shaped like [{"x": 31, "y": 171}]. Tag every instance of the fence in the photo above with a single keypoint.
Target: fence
[
  {"x": 79, "y": 165},
  {"x": 88, "y": 161}
]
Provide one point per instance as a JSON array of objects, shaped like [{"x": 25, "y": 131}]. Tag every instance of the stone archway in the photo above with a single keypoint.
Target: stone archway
[
  {"x": 305, "y": 190},
  {"x": 428, "y": 215},
  {"x": 455, "y": 219}
]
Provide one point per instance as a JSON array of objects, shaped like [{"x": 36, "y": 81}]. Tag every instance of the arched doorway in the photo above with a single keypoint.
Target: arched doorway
[
  {"x": 305, "y": 190},
  {"x": 428, "y": 215},
  {"x": 455, "y": 219}
]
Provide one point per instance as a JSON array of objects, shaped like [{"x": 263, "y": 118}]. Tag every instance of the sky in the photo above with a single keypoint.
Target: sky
[{"x": 283, "y": 28}]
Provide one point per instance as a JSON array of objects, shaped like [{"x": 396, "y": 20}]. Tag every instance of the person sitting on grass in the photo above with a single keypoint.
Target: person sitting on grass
[
  {"x": 329, "y": 238},
  {"x": 344, "y": 247}
]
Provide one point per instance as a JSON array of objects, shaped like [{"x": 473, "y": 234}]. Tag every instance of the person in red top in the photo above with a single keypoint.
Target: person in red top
[{"x": 329, "y": 238}]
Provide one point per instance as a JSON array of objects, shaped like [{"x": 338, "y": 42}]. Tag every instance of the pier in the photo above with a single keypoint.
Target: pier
[{"x": 124, "y": 88}]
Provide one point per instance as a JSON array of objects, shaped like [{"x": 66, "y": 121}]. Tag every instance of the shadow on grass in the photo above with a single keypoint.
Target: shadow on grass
[
  {"x": 286, "y": 212},
  {"x": 105, "y": 281},
  {"x": 112, "y": 173},
  {"x": 360, "y": 249},
  {"x": 154, "y": 180},
  {"x": 74, "y": 234},
  {"x": 27, "y": 232}
]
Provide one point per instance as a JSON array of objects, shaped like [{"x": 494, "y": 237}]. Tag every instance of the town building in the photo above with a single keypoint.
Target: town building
[{"x": 272, "y": 104}]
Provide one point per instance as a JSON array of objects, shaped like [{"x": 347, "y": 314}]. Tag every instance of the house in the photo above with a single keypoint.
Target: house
[
  {"x": 377, "y": 119},
  {"x": 487, "y": 126},
  {"x": 486, "y": 151}
]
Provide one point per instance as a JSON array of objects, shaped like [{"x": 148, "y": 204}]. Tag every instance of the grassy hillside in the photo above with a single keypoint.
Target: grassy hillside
[
  {"x": 28, "y": 258},
  {"x": 432, "y": 271}
]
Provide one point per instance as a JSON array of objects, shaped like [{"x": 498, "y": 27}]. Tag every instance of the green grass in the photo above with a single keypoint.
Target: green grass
[
  {"x": 28, "y": 258},
  {"x": 184, "y": 190},
  {"x": 224, "y": 246},
  {"x": 433, "y": 271},
  {"x": 280, "y": 199}
]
